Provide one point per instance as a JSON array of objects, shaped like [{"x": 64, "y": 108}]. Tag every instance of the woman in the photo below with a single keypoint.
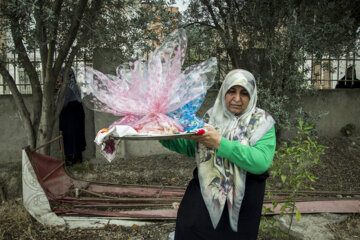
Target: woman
[
  {"x": 72, "y": 120},
  {"x": 224, "y": 199}
]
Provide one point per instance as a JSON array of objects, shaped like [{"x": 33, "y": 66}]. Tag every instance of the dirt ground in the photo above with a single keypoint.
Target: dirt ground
[{"x": 339, "y": 172}]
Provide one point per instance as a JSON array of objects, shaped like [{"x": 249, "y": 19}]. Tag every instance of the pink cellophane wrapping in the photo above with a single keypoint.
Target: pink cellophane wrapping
[{"x": 144, "y": 92}]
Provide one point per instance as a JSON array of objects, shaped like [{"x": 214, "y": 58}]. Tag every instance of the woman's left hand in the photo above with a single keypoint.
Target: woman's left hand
[{"x": 211, "y": 138}]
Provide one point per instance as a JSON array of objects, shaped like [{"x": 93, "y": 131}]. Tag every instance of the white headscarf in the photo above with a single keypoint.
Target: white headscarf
[{"x": 220, "y": 180}]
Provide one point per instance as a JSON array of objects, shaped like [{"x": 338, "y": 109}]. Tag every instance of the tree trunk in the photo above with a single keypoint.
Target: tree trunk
[
  {"x": 234, "y": 54},
  {"x": 46, "y": 126}
]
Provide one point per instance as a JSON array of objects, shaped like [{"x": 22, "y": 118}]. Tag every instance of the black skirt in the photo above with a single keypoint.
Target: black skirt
[
  {"x": 72, "y": 125},
  {"x": 193, "y": 219}
]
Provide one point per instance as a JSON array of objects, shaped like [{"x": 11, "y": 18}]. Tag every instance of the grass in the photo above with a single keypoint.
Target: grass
[
  {"x": 84, "y": 167},
  {"x": 16, "y": 223}
]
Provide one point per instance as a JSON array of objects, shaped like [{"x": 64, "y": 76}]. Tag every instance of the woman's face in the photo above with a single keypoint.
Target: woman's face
[{"x": 237, "y": 99}]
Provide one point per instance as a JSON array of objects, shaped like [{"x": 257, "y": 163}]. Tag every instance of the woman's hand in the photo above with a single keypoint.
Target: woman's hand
[{"x": 211, "y": 138}]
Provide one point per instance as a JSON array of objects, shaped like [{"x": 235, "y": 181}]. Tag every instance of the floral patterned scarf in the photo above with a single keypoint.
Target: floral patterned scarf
[{"x": 220, "y": 180}]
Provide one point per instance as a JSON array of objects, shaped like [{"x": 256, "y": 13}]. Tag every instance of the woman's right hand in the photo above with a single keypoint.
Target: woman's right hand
[{"x": 211, "y": 138}]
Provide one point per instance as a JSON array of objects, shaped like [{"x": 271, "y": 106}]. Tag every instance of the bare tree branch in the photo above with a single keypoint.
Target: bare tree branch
[
  {"x": 41, "y": 34},
  {"x": 228, "y": 39},
  {"x": 29, "y": 69},
  {"x": 53, "y": 32},
  {"x": 219, "y": 29},
  {"x": 75, "y": 23},
  {"x": 200, "y": 23}
]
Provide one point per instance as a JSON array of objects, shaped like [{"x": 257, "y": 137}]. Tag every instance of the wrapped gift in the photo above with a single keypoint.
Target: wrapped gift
[
  {"x": 147, "y": 91},
  {"x": 154, "y": 96}
]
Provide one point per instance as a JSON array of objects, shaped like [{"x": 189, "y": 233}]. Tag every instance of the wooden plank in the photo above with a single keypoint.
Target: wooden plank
[
  {"x": 334, "y": 206},
  {"x": 143, "y": 214}
]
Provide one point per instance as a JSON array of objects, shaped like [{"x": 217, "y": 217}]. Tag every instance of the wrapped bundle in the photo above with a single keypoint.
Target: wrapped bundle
[{"x": 153, "y": 97}]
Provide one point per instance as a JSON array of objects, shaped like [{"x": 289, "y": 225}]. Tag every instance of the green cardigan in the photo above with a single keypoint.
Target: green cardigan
[{"x": 254, "y": 159}]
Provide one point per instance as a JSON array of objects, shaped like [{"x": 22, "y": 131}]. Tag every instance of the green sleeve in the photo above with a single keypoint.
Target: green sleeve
[
  {"x": 180, "y": 145},
  {"x": 254, "y": 159}
]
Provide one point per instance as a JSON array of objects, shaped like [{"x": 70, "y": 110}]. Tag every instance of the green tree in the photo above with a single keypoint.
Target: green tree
[
  {"x": 61, "y": 30},
  {"x": 271, "y": 39}
]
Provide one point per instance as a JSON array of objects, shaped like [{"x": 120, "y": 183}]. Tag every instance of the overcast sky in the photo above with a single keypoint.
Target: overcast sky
[{"x": 181, "y": 5}]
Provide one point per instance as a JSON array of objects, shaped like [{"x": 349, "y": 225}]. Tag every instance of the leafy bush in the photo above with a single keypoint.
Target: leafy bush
[{"x": 292, "y": 166}]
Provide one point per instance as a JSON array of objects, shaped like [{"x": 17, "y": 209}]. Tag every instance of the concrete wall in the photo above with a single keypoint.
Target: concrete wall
[
  {"x": 12, "y": 133},
  {"x": 331, "y": 109},
  {"x": 13, "y": 136},
  {"x": 338, "y": 107}
]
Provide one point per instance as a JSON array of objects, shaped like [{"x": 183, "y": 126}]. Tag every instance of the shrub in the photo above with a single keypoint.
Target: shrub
[{"x": 292, "y": 166}]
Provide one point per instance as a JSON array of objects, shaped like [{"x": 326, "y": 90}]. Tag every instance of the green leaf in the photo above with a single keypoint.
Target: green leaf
[
  {"x": 298, "y": 215},
  {"x": 301, "y": 123},
  {"x": 309, "y": 127},
  {"x": 283, "y": 178}
]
